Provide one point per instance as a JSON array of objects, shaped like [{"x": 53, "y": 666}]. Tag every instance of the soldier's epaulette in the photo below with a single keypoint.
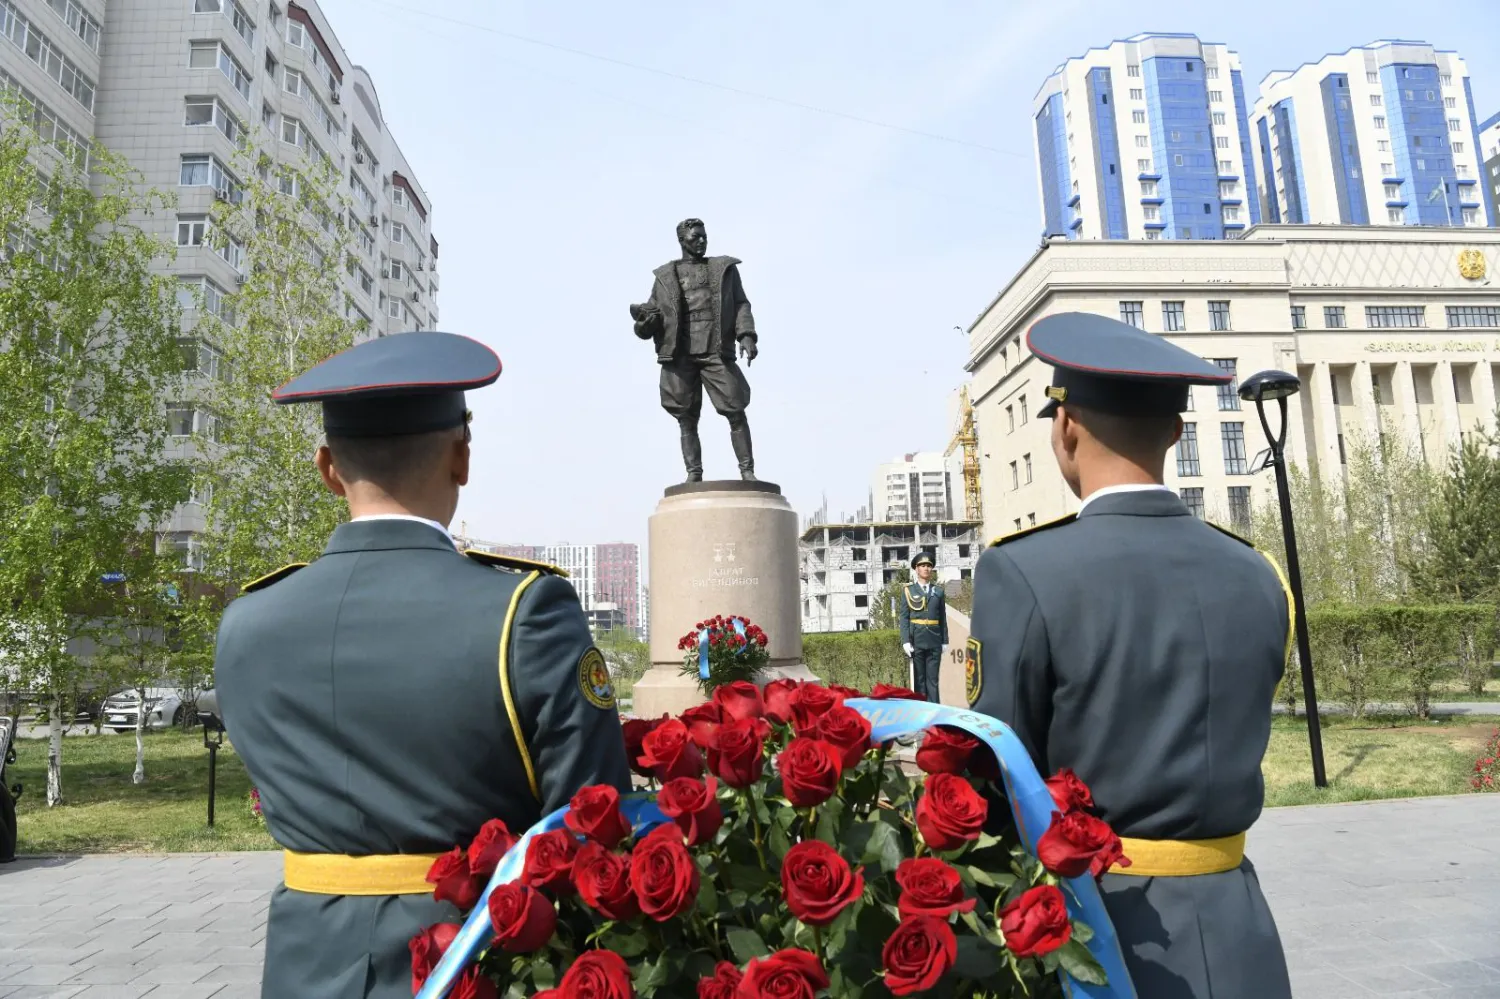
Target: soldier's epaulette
[
  {"x": 272, "y": 577},
  {"x": 1033, "y": 529},
  {"x": 514, "y": 563},
  {"x": 1230, "y": 534}
]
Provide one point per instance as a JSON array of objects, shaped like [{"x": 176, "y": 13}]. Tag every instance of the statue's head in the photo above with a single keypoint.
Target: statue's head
[{"x": 693, "y": 237}]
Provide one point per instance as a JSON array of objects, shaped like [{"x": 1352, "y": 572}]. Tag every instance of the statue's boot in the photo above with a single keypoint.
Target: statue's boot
[
  {"x": 692, "y": 452},
  {"x": 739, "y": 436}
]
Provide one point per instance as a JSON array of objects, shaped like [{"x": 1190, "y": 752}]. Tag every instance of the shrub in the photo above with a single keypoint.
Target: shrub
[
  {"x": 1487, "y": 767},
  {"x": 858, "y": 659}
]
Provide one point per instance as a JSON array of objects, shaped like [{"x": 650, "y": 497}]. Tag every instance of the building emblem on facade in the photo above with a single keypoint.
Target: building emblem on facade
[{"x": 1471, "y": 265}]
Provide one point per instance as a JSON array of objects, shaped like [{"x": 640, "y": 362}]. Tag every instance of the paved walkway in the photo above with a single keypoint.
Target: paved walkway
[{"x": 1393, "y": 899}]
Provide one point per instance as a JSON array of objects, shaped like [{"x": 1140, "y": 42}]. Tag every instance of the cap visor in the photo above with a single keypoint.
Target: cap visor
[{"x": 1048, "y": 410}]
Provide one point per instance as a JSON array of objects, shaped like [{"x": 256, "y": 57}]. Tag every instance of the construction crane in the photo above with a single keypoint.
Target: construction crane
[{"x": 967, "y": 437}]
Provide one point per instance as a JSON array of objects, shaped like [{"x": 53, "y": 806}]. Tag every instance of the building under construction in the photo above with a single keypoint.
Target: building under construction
[{"x": 844, "y": 567}]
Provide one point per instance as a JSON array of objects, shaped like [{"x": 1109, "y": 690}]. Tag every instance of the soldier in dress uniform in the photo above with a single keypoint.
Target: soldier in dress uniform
[
  {"x": 1141, "y": 647},
  {"x": 395, "y": 694},
  {"x": 923, "y": 616}
]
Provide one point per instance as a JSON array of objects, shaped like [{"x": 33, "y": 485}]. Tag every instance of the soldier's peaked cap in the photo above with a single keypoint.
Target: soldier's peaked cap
[
  {"x": 922, "y": 559},
  {"x": 1108, "y": 366},
  {"x": 406, "y": 383}
]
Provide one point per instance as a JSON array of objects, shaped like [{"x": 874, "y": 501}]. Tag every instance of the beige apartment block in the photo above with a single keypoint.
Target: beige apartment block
[{"x": 1392, "y": 329}]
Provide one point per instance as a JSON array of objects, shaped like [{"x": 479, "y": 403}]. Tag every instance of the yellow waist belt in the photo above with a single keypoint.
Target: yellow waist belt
[
  {"x": 378, "y": 874},
  {"x": 923, "y": 620},
  {"x": 1178, "y": 858}
]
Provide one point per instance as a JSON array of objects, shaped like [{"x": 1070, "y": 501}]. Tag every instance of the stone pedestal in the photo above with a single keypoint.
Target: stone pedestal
[{"x": 730, "y": 548}]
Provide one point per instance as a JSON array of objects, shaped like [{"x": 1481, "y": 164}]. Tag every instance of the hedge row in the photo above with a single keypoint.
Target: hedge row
[
  {"x": 858, "y": 659},
  {"x": 1398, "y": 653}
]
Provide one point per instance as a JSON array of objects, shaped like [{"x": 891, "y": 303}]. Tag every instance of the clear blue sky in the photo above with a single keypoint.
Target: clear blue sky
[{"x": 557, "y": 178}]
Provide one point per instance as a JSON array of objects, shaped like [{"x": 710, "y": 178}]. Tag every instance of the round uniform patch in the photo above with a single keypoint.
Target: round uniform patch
[{"x": 593, "y": 679}]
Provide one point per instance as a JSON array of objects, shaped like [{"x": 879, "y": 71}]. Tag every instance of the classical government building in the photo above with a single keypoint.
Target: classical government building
[{"x": 1392, "y": 329}]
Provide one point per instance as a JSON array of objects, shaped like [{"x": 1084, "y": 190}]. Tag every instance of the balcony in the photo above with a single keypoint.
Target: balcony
[
  {"x": 1149, "y": 176},
  {"x": 1074, "y": 200}
]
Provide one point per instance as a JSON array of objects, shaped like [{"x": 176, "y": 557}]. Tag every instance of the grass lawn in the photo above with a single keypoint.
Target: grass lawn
[
  {"x": 1374, "y": 758},
  {"x": 103, "y": 812},
  {"x": 1458, "y": 692}
]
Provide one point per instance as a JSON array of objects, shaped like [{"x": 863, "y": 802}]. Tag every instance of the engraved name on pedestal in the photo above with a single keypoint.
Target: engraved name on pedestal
[{"x": 724, "y": 573}]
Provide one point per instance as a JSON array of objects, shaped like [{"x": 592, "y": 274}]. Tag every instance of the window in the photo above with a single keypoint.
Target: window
[
  {"x": 1138, "y": 117},
  {"x": 1210, "y": 72},
  {"x": 1376, "y": 100},
  {"x": 294, "y": 82},
  {"x": 1229, "y": 398},
  {"x": 1187, "y": 451},
  {"x": 1458, "y": 147},
  {"x": 1189, "y": 400},
  {"x": 398, "y": 196},
  {"x": 1222, "y": 141},
  {"x": 199, "y": 357},
  {"x": 1153, "y": 234},
  {"x": 398, "y": 232},
  {"x": 1137, "y": 94},
  {"x": 1392, "y": 192},
  {"x": 1018, "y": 523},
  {"x": 213, "y": 298},
  {"x": 1484, "y": 316},
  {"x": 366, "y": 241},
  {"x": 1447, "y": 79},
  {"x": 209, "y": 111},
  {"x": 1132, "y": 313},
  {"x": 1454, "y": 125},
  {"x": 858, "y": 555},
  {"x": 1144, "y": 166},
  {"x": 366, "y": 283},
  {"x": 1239, "y": 506},
  {"x": 1333, "y": 317},
  {"x": 1387, "y": 169},
  {"x": 1226, "y": 166},
  {"x": 1450, "y": 102},
  {"x": 1380, "y": 122},
  {"x": 292, "y": 131},
  {"x": 184, "y": 543},
  {"x": 362, "y": 195},
  {"x": 1151, "y": 213},
  {"x": 191, "y": 229},
  {"x": 1010, "y": 418},
  {"x": 1172, "y": 318},
  {"x": 234, "y": 11},
  {"x": 1471, "y": 216},
  {"x": 1395, "y": 215},
  {"x": 233, "y": 252},
  {"x": 861, "y": 600},
  {"x": 83, "y": 25},
  {"x": 1462, "y": 169},
  {"x": 1023, "y": 410},
  {"x": 1027, "y": 459},
  {"x": 1299, "y": 317},
  {"x": 1148, "y": 188},
  {"x": 1215, "y": 96},
  {"x": 1231, "y": 213},
  {"x": 1031, "y": 520},
  {"x": 40, "y": 50},
  {"x": 1372, "y": 77},
  {"x": 860, "y": 578},
  {"x": 397, "y": 272},
  {"x": 1220, "y": 118},
  {"x": 207, "y": 55},
  {"x": 185, "y": 421},
  {"x": 1218, "y": 316},
  {"x": 1176, "y": 136},
  {"x": 1192, "y": 498},
  {"x": 296, "y": 34},
  {"x": 963, "y": 551},
  {"x": 1133, "y": 69},
  {"x": 1234, "y": 449},
  {"x": 1384, "y": 146},
  {"x": 393, "y": 307},
  {"x": 207, "y": 171},
  {"x": 1142, "y": 142},
  {"x": 1015, "y": 475},
  {"x": 1383, "y": 317}
]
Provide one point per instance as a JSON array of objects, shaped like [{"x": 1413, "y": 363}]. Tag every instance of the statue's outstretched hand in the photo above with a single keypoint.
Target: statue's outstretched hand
[{"x": 748, "y": 350}]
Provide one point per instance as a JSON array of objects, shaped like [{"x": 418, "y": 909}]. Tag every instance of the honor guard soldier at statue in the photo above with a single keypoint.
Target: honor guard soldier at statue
[
  {"x": 394, "y": 695},
  {"x": 1141, "y": 647},
  {"x": 923, "y": 617}
]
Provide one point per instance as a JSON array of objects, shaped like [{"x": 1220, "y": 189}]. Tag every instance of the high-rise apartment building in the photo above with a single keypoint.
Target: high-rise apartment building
[
  {"x": 1147, "y": 136},
  {"x": 1383, "y": 134},
  {"x": 1489, "y": 146},
  {"x": 914, "y": 487},
  {"x": 607, "y": 576},
  {"x": 619, "y": 580},
  {"x": 183, "y": 88}
]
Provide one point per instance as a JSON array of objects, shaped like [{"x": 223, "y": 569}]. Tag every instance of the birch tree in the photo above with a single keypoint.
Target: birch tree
[{"x": 88, "y": 352}]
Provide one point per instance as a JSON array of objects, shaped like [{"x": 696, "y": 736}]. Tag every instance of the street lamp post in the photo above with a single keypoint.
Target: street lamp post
[
  {"x": 213, "y": 738},
  {"x": 1259, "y": 388}
]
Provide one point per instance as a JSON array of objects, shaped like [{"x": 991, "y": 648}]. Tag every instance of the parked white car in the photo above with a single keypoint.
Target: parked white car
[{"x": 165, "y": 707}]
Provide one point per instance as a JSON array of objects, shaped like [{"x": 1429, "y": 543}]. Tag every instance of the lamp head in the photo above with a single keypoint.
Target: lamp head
[{"x": 1266, "y": 385}]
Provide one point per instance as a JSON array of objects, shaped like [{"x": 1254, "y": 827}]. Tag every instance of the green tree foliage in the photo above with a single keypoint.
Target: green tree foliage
[
  {"x": 88, "y": 352},
  {"x": 885, "y": 609}
]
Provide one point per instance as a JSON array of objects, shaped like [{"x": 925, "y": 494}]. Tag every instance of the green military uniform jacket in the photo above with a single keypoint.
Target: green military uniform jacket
[
  {"x": 390, "y": 698},
  {"x": 923, "y": 616}
]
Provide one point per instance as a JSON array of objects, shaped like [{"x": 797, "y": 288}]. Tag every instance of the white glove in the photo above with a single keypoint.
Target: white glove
[{"x": 907, "y": 647}]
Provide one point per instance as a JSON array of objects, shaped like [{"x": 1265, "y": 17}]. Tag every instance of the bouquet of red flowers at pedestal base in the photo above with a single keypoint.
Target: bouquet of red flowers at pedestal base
[
  {"x": 795, "y": 860},
  {"x": 735, "y": 649}
]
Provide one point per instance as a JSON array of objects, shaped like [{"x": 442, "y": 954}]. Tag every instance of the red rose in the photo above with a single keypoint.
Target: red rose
[
  {"x": 724, "y": 983},
  {"x": 454, "y": 881},
  {"x": 636, "y": 730},
  {"x": 929, "y": 887},
  {"x": 739, "y": 700},
  {"x": 885, "y": 692},
  {"x": 603, "y": 882},
  {"x": 595, "y": 813},
  {"x": 846, "y": 730},
  {"x": 786, "y": 974},
  {"x": 597, "y": 974},
  {"x": 670, "y": 752},
  {"x": 737, "y": 755},
  {"x": 426, "y": 949},
  {"x": 522, "y": 917},
  {"x": 701, "y": 721},
  {"x": 1037, "y": 922},
  {"x": 492, "y": 843},
  {"x": 692, "y": 804},
  {"x": 810, "y": 702},
  {"x": 474, "y": 985},
  {"x": 810, "y": 771},
  {"x": 1068, "y": 791},
  {"x": 1078, "y": 842},
  {"x": 818, "y": 883},
  {"x": 549, "y": 861},
  {"x": 918, "y": 955},
  {"x": 946, "y": 750},
  {"x": 847, "y": 693},
  {"x": 664, "y": 875},
  {"x": 951, "y": 813},
  {"x": 777, "y": 696}
]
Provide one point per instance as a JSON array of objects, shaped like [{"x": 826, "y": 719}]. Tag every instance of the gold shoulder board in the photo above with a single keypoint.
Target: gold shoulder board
[
  {"x": 1230, "y": 534},
  {"x": 272, "y": 577},
  {"x": 513, "y": 563},
  {"x": 1033, "y": 529}
]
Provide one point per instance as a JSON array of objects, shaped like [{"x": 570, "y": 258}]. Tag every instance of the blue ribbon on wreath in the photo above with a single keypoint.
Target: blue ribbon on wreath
[
  {"x": 1026, "y": 792},
  {"x": 739, "y": 628}
]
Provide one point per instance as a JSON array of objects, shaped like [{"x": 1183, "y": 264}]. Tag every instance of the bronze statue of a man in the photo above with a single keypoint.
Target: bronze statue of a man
[{"x": 697, "y": 314}]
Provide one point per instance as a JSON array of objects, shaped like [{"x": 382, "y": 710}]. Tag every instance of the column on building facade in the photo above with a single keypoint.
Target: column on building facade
[
  {"x": 1296, "y": 434},
  {"x": 1326, "y": 417},
  {"x": 1406, "y": 402},
  {"x": 1364, "y": 398},
  {"x": 1447, "y": 402},
  {"x": 1484, "y": 394}
]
